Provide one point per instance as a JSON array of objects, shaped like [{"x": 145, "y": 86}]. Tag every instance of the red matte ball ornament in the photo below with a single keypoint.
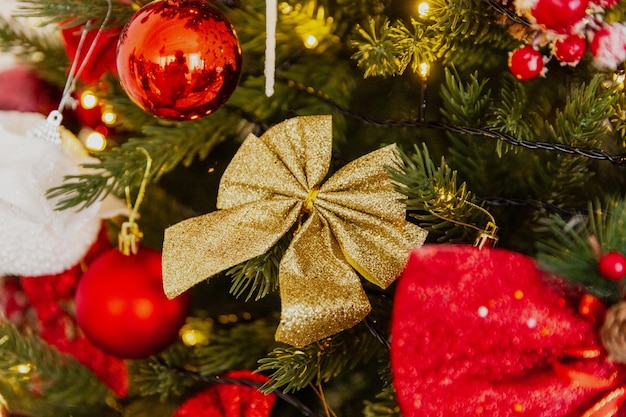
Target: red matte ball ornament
[
  {"x": 179, "y": 59},
  {"x": 612, "y": 265},
  {"x": 121, "y": 306}
]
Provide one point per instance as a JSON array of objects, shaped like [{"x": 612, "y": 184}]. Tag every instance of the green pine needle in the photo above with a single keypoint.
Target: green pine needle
[{"x": 294, "y": 368}]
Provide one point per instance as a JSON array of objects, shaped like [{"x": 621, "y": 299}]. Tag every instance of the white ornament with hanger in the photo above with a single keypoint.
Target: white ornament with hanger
[{"x": 36, "y": 154}]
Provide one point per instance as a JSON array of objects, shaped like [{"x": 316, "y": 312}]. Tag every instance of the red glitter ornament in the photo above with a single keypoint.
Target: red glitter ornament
[
  {"x": 612, "y": 265},
  {"x": 526, "y": 62},
  {"x": 570, "y": 49},
  {"x": 179, "y": 59},
  {"x": 559, "y": 15},
  {"x": 481, "y": 332},
  {"x": 230, "y": 399},
  {"x": 121, "y": 306}
]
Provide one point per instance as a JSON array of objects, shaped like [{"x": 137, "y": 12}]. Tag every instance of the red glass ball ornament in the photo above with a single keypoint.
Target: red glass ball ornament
[
  {"x": 526, "y": 62},
  {"x": 121, "y": 307},
  {"x": 559, "y": 15},
  {"x": 612, "y": 265},
  {"x": 179, "y": 59},
  {"x": 570, "y": 49}
]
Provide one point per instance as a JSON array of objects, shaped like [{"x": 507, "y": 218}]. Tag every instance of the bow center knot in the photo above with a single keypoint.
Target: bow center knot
[{"x": 310, "y": 198}]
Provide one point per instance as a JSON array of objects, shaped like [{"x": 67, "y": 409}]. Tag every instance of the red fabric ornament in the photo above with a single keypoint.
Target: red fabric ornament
[
  {"x": 570, "y": 49},
  {"x": 121, "y": 306},
  {"x": 52, "y": 297},
  {"x": 228, "y": 400},
  {"x": 559, "y": 15},
  {"x": 612, "y": 265},
  {"x": 23, "y": 91},
  {"x": 179, "y": 59},
  {"x": 526, "y": 62},
  {"x": 103, "y": 56},
  {"x": 480, "y": 332}
]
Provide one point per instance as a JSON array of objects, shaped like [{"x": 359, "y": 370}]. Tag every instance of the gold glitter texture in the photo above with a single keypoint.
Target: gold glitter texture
[{"x": 353, "y": 221}]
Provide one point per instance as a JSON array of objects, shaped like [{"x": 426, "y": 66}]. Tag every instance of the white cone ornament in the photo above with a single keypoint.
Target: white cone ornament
[{"x": 35, "y": 238}]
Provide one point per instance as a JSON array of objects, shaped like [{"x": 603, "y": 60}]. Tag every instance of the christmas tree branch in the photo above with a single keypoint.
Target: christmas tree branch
[
  {"x": 42, "y": 52},
  {"x": 295, "y": 368},
  {"x": 576, "y": 244},
  {"x": 34, "y": 367},
  {"x": 76, "y": 12}
]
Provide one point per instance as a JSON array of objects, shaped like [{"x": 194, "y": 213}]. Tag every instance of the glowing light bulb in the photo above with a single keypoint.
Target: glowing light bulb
[
  {"x": 108, "y": 117},
  {"x": 22, "y": 368},
  {"x": 95, "y": 141},
  {"x": 423, "y": 70},
  {"x": 310, "y": 42},
  {"x": 88, "y": 100},
  {"x": 423, "y": 8}
]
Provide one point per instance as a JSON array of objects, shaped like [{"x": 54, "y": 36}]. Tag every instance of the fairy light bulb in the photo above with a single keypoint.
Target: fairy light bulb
[
  {"x": 109, "y": 117},
  {"x": 423, "y": 70},
  {"x": 22, "y": 368},
  {"x": 310, "y": 41},
  {"x": 88, "y": 100},
  {"x": 423, "y": 8},
  {"x": 93, "y": 140}
]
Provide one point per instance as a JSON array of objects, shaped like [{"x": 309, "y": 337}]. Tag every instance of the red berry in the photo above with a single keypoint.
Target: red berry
[
  {"x": 570, "y": 49},
  {"x": 526, "y": 62},
  {"x": 612, "y": 265},
  {"x": 559, "y": 15}
]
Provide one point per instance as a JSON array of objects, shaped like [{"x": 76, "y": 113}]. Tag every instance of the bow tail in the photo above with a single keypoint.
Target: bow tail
[
  {"x": 197, "y": 248},
  {"x": 320, "y": 293}
]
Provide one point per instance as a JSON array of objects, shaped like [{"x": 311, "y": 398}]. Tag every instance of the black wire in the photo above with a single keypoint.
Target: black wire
[
  {"x": 508, "y": 13},
  {"x": 504, "y": 202},
  {"x": 597, "y": 154},
  {"x": 376, "y": 333}
]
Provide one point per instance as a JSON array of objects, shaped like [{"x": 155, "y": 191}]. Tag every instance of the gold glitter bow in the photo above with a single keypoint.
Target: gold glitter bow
[{"x": 354, "y": 221}]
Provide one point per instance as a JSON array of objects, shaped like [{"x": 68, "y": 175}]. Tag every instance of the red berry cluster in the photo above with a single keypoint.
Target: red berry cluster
[{"x": 571, "y": 27}]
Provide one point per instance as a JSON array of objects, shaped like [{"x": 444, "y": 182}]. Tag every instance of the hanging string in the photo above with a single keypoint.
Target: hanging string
[
  {"x": 50, "y": 129},
  {"x": 271, "y": 18}
]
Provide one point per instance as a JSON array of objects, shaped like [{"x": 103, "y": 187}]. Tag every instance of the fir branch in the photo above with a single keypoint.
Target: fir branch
[
  {"x": 238, "y": 347},
  {"x": 258, "y": 276},
  {"x": 384, "y": 404},
  {"x": 75, "y": 11},
  {"x": 42, "y": 52},
  {"x": 376, "y": 53},
  {"x": 417, "y": 46},
  {"x": 571, "y": 253},
  {"x": 465, "y": 103},
  {"x": 159, "y": 375},
  {"x": 295, "y": 368},
  {"x": 434, "y": 198},
  {"x": 123, "y": 166},
  {"x": 514, "y": 113},
  {"x": 587, "y": 106},
  {"x": 590, "y": 153},
  {"x": 29, "y": 363}
]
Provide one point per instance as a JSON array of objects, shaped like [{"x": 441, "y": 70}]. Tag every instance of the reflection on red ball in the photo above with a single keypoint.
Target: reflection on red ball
[
  {"x": 121, "y": 306},
  {"x": 179, "y": 59}
]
